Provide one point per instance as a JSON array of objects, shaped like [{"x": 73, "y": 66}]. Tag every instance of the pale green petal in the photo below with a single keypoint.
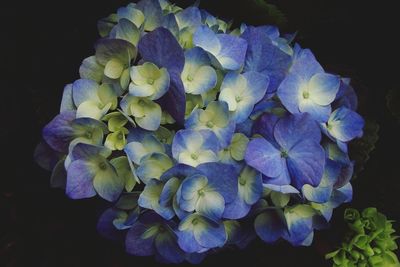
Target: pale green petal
[
  {"x": 153, "y": 166},
  {"x": 143, "y": 90},
  {"x": 121, "y": 165},
  {"x": 151, "y": 118},
  {"x": 149, "y": 70},
  {"x": 107, "y": 95},
  {"x": 91, "y": 69},
  {"x": 238, "y": 146},
  {"x": 229, "y": 97},
  {"x": 279, "y": 199},
  {"x": 113, "y": 69},
  {"x": 107, "y": 183},
  {"x": 125, "y": 79},
  {"x": 92, "y": 109}
]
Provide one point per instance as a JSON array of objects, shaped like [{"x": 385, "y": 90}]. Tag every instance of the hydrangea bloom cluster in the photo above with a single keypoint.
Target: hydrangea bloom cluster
[{"x": 202, "y": 136}]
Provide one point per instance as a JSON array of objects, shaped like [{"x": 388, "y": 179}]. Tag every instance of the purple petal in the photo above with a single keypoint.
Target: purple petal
[
  {"x": 136, "y": 244},
  {"x": 306, "y": 163},
  {"x": 80, "y": 176},
  {"x": 260, "y": 46},
  {"x": 58, "y": 133},
  {"x": 265, "y": 126},
  {"x": 162, "y": 48},
  {"x": 269, "y": 226},
  {"x": 294, "y": 128}
]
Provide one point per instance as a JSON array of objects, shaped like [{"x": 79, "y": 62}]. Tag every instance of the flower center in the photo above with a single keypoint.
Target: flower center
[
  {"x": 242, "y": 182},
  {"x": 150, "y": 81},
  {"x": 210, "y": 124},
  {"x": 194, "y": 156},
  {"x": 88, "y": 134},
  {"x": 195, "y": 221},
  {"x": 103, "y": 166},
  {"x": 306, "y": 94},
  {"x": 189, "y": 78},
  {"x": 120, "y": 136},
  {"x": 238, "y": 98},
  {"x": 141, "y": 102},
  {"x": 284, "y": 154},
  {"x": 200, "y": 192}
]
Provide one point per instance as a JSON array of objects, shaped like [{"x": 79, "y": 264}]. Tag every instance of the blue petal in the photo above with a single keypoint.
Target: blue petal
[
  {"x": 169, "y": 191},
  {"x": 250, "y": 185},
  {"x": 174, "y": 101},
  {"x": 45, "y": 156},
  {"x": 80, "y": 176},
  {"x": 211, "y": 204},
  {"x": 67, "y": 102},
  {"x": 323, "y": 88},
  {"x": 264, "y": 157},
  {"x": 197, "y": 57},
  {"x": 84, "y": 90},
  {"x": 58, "y": 133},
  {"x": 346, "y": 96},
  {"x": 106, "y": 227},
  {"x": 138, "y": 149},
  {"x": 294, "y": 128},
  {"x": 299, "y": 227},
  {"x": 317, "y": 112},
  {"x": 194, "y": 141},
  {"x": 236, "y": 209},
  {"x": 197, "y": 75},
  {"x": 136, "y": 244},
  {"x": 286, "y": 189},
  {"x": 257, "y": 85},
  {"x": 270, "y": 226},
  {"x": 323, "y": 191},
  {"x": 179, "y": 171},
  {"x": 205, "y": 38},
  {"x": 150, "y": 196},
  {"x": 289, "y": 92},
  {"x": 187, "y": 242},
  {"x": 222, "y": 178},
  {"x": 190, "y": 186},
  {"x": 152, "y": 12},
  {"x": 265, "y": 126},
  {"x": 221, "y": 111},
  {"x": 210, "y": 234},
  {"x": 131, "y": 13},
  {"x": 305, "y": 65},
  {"x": 260, "y": 46},
  {"x": 233, "y": 51},
  {"x": 87, "y": 151},
  {"x": 306, "y": 163},
  {"x": 189, "y": 17},
  {"x": 167, "y": 246},
  {"x": 169, "y": 22},
  {"x": 229, "y": 51},
  {"x": 245, "y": 127},
  {"x": 345, "y": 124},
  {"x": 108, "y": 184}
]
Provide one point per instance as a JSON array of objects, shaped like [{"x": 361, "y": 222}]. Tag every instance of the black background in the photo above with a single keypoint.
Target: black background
[{"x": 44, "y": 44}]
